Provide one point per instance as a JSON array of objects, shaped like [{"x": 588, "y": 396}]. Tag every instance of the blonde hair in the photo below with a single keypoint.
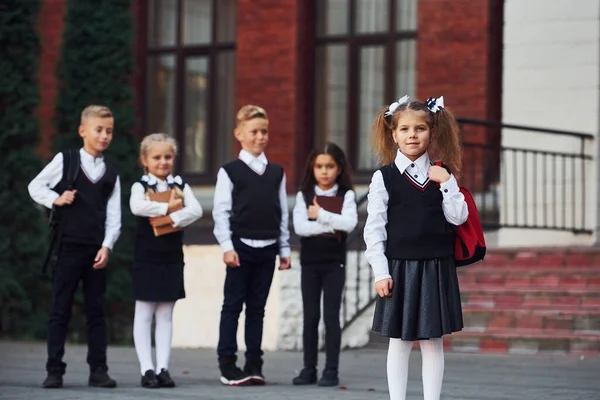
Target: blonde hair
[
  {"x": 96, "y": 111},
  {"x": 155, "y": 138},
  {"x": 249, "y": 112},
  {"x": 445, "y": 135}
]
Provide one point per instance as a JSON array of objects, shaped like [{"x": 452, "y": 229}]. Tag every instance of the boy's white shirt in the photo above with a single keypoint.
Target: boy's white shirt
[
  {"x": 375, "y": 234},
  {"x": 40, "y": 190},
  {"x": 191, "y": 211},
  {"x": 223, "y": 202}
]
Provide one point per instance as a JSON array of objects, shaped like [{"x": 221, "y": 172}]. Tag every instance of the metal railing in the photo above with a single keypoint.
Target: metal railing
[{"x": 536, "y": 185}]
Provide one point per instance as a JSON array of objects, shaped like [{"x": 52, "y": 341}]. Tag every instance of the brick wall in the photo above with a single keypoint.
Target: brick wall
[
  {"x": 51, "y": 27},
  {"x": 270, "y": 71}
]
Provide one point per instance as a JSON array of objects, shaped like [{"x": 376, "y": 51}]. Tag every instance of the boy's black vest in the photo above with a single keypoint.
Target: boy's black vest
[
  {"x": 323, "y": 249},
  {"x": 85, "y": 219},
  {"x": 417, "y": 228},
  {"x": 256, "y": 209},
  {"x": 165, "y": 249}
]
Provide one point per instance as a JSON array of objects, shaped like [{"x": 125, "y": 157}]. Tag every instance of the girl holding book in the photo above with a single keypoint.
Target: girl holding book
[
  {"x": 163, "y": 205},
  {"x": 324, "y": 214}
]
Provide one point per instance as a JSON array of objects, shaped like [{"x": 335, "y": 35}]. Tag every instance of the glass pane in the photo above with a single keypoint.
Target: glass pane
[
  {"x": 162, "y": 23},
  {"x": 226, "y": 18},
  {"x": 406, "y": 68},
  {"x": 160, "y": 94},
  {"x": 197, "y": 21},
  {"x": 332, "y": 17},
  {"x": 406, "y": 15},
  {"x": 331, "y": 105},
  {"x": 225, "y": 112},
  {"x": 371, "y": 99},
  {"x": 372, "y": 15},
  {"x": 194, "y": 151}
]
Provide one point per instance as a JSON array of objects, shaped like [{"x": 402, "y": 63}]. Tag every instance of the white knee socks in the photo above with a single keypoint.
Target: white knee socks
[
  {"x": 142, "y": 335},
  {"x": 432, "y": 352}
]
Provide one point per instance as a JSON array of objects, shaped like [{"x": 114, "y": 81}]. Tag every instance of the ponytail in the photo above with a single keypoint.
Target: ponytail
[
  {"x": 383, "y": 142},
  {"x": 446, "y": 140}
]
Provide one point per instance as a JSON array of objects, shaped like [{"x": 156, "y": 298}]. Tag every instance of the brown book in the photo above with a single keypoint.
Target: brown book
[
  {"x": 332, "y": 204},
  {"x": 162, "y": 197}
]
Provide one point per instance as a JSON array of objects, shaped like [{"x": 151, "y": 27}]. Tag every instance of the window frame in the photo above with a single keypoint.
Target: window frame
[
  {"x": 182, "y": 52},
  {"x": 355, "y": 41}
]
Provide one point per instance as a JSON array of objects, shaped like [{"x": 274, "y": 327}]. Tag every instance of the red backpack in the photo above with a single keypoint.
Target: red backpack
[{"x": 469, "y": 242}]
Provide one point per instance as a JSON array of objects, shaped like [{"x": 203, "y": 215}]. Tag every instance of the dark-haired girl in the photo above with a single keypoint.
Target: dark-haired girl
[{"x": 323, "y": 256}]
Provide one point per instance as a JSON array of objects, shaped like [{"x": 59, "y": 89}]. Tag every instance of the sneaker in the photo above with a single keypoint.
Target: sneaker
[
  {"x": 253, "y": 369},
  {"x": 99, "y": 378},
  {"x": 53, "y": 381},
  {"x": 164, "y": 379},
  {"x": 329, "y": 378},
  {"x": 308, "y": 376},
  {"x": 233, "y": 376},
  {"x": 149, "y": 380}
]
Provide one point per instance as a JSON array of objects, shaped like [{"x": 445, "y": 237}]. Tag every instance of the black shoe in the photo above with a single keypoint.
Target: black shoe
[
  {"x": 164, "y": 379},
  {"x": 231, "y": 375},
  {"x": 149, "y": 380},
  {"x": 253, "y": 369},
  {"x": 99, "y": 378},
  {"x": 329, "y": 378},
  {"x": 53, "y": 381},
  {"x": 308, "y": 376}
]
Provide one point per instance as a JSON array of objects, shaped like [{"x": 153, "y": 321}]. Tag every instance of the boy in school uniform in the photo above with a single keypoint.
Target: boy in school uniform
[
  {"x": 251, "y": 225},
  {"x": 91, "y": 218}
]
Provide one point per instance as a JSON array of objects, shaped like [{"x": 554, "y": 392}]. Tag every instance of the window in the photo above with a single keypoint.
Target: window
[
  {"x": 365, "y": 58},
  {"x": 190, "y": 78}
]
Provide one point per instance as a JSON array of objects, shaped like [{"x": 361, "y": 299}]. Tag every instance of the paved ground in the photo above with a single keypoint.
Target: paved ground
[{"x": 468, "y": 377}]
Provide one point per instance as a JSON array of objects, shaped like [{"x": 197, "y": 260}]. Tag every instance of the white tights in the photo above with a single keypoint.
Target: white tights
[
  {"x": 142, "y": 334},
  {"x": 432, "y": 352}
]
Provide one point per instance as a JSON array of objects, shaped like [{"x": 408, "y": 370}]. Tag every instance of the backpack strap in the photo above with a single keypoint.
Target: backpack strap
[{"x": 71, "y": 163}]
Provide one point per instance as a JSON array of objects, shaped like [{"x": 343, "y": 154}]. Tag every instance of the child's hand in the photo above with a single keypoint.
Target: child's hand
[
  {"x": 161, "y": 221},
  {"x": 101, "y": 258},
  {"x": 438, "y": 174},
  {"x": 313, "y": 209},
  {"x": 65, "y": 198},
  {"x": 175, "y": 204},
  {"x": 231, "y": 258},
  {"x": 285, "y": 263},
  {"x": 384, "y": 287}
]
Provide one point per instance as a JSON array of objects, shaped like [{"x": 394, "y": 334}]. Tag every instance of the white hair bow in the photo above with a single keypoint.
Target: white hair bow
[
  {"x": 394, "y": 106},
  {"x": 177, "y": 180},
  {"x": 150, "y": 180},
  {"x": 434, "y": 104}
]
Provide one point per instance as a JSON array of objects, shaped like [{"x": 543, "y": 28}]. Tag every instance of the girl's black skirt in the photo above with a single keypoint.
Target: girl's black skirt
[
  {"x": 425, "y": 301},
  {"x": 157, "y": 282}
]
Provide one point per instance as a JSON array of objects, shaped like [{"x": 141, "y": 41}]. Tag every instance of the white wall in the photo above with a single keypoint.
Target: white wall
[{"x": 551, "y": 78}]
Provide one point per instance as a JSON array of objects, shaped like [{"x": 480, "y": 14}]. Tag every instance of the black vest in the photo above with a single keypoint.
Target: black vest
[
  {"x": 323, "y": 249},
  {"x": 256, "y": 209},
  {"x": 165, "y": 249},
  {"x": 85, "y": 218},
  {"x": 417, "y": 228}
]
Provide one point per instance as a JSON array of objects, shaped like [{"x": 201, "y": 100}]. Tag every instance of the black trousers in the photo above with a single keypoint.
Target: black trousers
[
  {"x": 330, "y": 279},
  {"x": 250, "y": 284},
  {"x": 75, "y": 264}
]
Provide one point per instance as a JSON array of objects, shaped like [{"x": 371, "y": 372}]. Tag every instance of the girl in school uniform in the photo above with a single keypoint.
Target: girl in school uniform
[
  {"x": 158, "y": 260},
  {"x": 412, "y": 205},
  {"x": 323, "y": 256}
]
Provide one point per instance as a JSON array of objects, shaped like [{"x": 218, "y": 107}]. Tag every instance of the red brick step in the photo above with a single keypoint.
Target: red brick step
[{"x": 515, "y": 276}]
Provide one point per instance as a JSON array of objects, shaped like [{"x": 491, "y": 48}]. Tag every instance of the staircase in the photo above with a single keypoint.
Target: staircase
[{"x": 526, "y": 302}]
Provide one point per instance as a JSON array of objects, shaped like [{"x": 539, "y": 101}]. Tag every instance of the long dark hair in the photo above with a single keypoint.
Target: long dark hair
[{"x": 343, "y": 180}]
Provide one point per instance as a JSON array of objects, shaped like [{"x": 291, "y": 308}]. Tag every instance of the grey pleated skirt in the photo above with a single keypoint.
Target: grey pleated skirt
[{"x": 425, "y": 301}]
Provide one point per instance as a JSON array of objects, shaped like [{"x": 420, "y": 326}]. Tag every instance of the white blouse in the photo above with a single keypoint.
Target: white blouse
[
  {"x": 327, "y": 222},
  {"x": 141, "y": 207},
  {"x": 375, "y": 234}
]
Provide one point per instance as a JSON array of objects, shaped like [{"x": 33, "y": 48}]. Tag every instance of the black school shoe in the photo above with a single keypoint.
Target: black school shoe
[
  {"x": 231, "y": 375},
  {"x": 99, "y": 378},
  {"x": 308, "y": 376},
  {"x": 329, "y": 378},
  {"x": 164, "y": 379},
  {"x": 253, "y": 369},
  {"x": 53, "y": 381},
  {"x": 149, "y": 380}
]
